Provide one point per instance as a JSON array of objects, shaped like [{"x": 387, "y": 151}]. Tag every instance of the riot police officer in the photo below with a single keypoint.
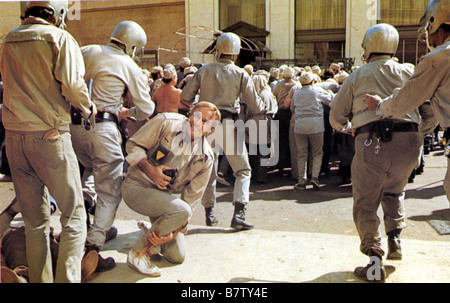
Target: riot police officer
[
  {"x": 221, "y": 83},
  {"x": 378, "y": 174},
  {"x": 114, "y": 73},
  {"x": 430, "y": 80},
  {"x": 42, "y": 69}
]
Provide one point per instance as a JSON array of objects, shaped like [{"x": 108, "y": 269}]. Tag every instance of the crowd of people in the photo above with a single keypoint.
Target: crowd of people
[{"x": 102, "y": 130}]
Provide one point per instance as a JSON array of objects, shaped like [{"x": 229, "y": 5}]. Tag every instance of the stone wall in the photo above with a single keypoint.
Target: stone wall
[{"x": 159, "y": 19}]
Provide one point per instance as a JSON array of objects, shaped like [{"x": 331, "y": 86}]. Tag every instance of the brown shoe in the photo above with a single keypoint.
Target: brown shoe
[
  {"x": 394, "y": 249},
  {"x": 372, "y": 272},
  {"x": 89, "y": 265},
  {"x": 8, "y": 275}
]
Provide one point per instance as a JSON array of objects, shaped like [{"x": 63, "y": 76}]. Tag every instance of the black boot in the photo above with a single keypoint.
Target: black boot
[
  {"x": 103, "y": 264},
  {"x": 238, "y": 220},
  {"x": 90, "y": 210},
  {"x": 211, "y": 220},
  {"x": 394, "y": 247},
  {"x": 111, "y": 233}
]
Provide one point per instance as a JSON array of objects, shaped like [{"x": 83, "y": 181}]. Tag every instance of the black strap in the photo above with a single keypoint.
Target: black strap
[
  {"x": 106, "y": 117},
  {"x": 228, "y": 115}
]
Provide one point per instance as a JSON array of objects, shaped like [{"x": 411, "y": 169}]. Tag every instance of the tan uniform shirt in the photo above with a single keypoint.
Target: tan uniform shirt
[
  {"x": 430, "y": 81},
  {"x": 222, "y": 83},
  {"x": 42, "y": 69},
  {"x": 379, "y": 77},
  {"x": 194, "y": 161},
  {"x": 109, "y": 67}
]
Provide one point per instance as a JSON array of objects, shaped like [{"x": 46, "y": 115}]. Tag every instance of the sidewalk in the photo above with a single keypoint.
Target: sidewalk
[{"x": 216, "y": 255}]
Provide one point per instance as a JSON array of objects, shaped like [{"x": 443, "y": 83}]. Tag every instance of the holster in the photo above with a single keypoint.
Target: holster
[{"x": 384, "y": 129}]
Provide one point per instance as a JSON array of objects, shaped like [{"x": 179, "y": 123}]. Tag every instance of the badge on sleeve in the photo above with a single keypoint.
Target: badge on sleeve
[{"x": 159, "y": 155}]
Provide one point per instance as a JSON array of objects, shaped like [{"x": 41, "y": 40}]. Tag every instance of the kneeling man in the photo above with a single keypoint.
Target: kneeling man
[{"x": 168, "y": 154}]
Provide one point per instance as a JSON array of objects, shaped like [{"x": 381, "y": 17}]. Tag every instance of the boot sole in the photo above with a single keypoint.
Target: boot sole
[
  {"x": 394, "y": 256},
  {"x": 362, "y": 275},
  {"x": 88, "y": 265},
  {"x": 240, "y": 227},
  {"x": 8, "y": 275}
]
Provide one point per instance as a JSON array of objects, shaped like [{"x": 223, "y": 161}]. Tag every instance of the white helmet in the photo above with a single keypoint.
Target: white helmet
[
  {"x": 436, "y": 14},
  {"x": 59, "y": 8},
  {"x": 228, "y": 44},
  {"x": 381, "y": 38},
  {"x": 133, "y": 36}
]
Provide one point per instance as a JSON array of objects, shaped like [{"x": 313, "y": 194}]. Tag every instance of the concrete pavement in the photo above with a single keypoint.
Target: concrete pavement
[
  {"x": 304, "y": 236},
  {"x": 217, "y": 255}
]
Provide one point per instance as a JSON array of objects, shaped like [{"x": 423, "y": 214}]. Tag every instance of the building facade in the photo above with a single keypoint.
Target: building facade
[{"x": 297, "y": 32}]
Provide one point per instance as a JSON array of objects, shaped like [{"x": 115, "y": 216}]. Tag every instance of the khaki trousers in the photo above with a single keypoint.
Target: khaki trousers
[
  {"x": 380, "y": 179},
  {"x": 167, "y": 213},
  {"x": 37, "y": 163},
  {"x": 314, "y": 143},
  {"x": 226, "y": 137},
  {"x": 99, "y": 150}
]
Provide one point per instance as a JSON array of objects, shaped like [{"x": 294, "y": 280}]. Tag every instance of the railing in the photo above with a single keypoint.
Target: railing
[{"x": 266, "y": 64}]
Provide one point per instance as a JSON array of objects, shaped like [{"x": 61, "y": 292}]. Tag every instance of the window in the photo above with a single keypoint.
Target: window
[
  {"x": 405, "y": 16},
  {"x": 402, "y": 12},
  {"x": 319, "y": 14},
  {"x": 250, "y": 11},
  {"x": 410, "y": 50},
  {"x": 320, "y": 31}
]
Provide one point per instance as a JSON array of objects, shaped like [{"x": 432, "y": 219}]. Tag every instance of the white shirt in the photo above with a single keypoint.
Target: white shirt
[{"x": 307, "y": 108}]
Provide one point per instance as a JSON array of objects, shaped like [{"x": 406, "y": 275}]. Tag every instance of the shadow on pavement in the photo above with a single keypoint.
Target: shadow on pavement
[
  {"x": 425, "y": 192},
  {"x": 438, "y": 219},
  {"x": 210, "y": 230},
  {"x": 348, "y": 277}
]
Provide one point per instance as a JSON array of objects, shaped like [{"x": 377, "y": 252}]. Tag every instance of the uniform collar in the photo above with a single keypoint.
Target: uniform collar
[
  {"x": 35, "y": 20},
  {"x": 228, "y": 61},
  {"x": 382, "y": 57},
  {"x": 116, "y": 48}
]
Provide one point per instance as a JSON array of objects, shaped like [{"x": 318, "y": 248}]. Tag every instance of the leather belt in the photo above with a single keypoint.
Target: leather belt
[
  {"x": 228, "y": 115},
  {"x": 106, "y": 117},
  {"x": 100, "y": 117},
  {"x": 397, "y": 127}
]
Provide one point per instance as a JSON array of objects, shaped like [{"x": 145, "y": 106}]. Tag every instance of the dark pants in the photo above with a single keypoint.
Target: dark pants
[
  {"x": 284, "y": 118},
  {"x": 4, "y": 165}
]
